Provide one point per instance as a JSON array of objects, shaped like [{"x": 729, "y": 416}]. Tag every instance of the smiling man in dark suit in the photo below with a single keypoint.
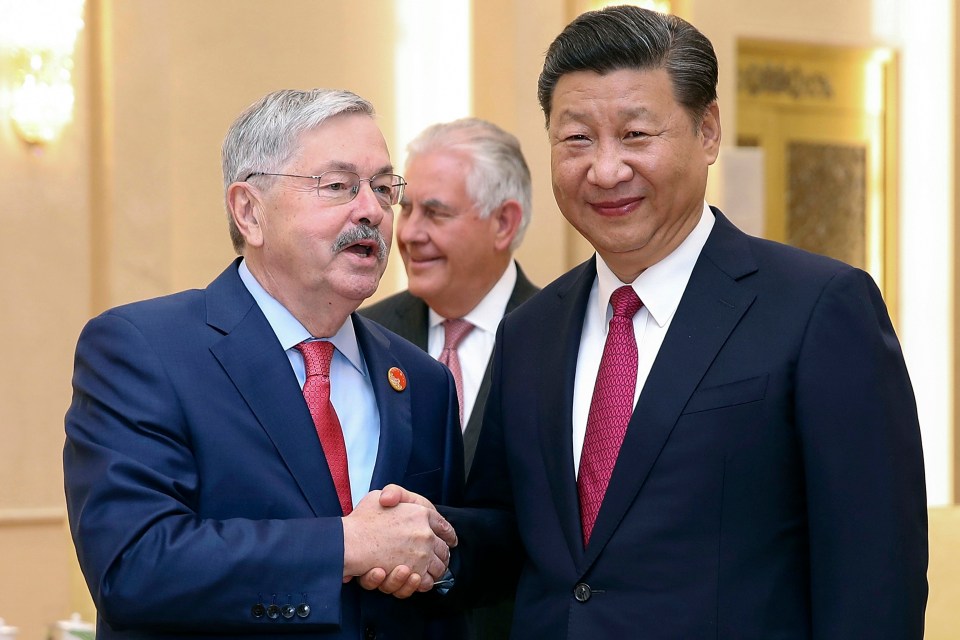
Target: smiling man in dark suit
[
  {"x": 463, "y": 214},
  {"x": 696, "y": 433},
  {"x": 222, "y": 444}
]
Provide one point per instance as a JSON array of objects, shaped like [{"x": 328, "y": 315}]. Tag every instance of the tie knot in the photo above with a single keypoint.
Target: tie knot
[
  {"x": 317, "y": 355},
  {"x": 455, "y": 330},
  {"x": 625, "y": 302}
]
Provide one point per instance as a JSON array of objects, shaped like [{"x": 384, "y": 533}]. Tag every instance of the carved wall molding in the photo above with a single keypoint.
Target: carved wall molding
[{"x": 778, "y": 79}]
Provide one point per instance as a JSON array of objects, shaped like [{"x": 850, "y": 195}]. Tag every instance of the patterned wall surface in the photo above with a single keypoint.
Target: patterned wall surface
[{"x": 826, "y": 200}]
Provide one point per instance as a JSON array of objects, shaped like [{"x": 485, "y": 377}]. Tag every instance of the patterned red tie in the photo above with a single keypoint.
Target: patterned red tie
[
  {"x": 610, "y": 409},
  {"x": 317, "y": 355},
  {"x": 455, "y": 330}
]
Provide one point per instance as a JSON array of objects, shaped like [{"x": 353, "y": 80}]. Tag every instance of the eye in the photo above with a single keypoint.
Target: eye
[
  {"x": 636, "y": 134},
  {"x": 334, "y": 186},
  {"x": 436, "y": 214}
]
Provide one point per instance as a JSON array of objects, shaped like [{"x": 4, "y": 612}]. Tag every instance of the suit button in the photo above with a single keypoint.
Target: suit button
[
  {"x": 273, "y": 612},
  {"x": 582, "y": 592},
  {"x": 288, "y": 611},
  {"x": 369, "y": 633},
  {"x": 258, "y": 610},
  {"x": 303, "y": 610}
]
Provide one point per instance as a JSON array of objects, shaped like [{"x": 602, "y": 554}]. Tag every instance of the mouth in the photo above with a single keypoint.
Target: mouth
[
  {"x": 362, "y": 241},
  {"x": 422, "y": 262},
  {"x": 620, "y": 206},
  {"x": 364, "y": 249}
]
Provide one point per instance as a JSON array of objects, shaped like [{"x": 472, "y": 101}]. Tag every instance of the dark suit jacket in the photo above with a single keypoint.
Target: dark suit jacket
[
  {"x": 770, "y": 484},
  {"x": 408, "y": 316},
  {"x": 195, "y": 481}
]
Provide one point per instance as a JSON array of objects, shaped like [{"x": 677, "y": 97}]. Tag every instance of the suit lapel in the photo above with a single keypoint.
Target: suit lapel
[
  {"x": 396, "y": 425},
  {"x": 557, "y": 368},
  {"x": 413, "y": 319},
  {"x": 712, "y": 305},
  {"x": 522, "y": 290},
  {"x": 256, "y": 363}
]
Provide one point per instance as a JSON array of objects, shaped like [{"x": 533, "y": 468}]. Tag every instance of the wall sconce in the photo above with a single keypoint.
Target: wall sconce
[{"x": 37, "y": 41}]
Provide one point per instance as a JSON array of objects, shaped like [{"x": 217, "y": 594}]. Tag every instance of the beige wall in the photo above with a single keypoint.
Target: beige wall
[
  {"x": 127, "y": 204},
  {"x": 510, "y": 38},
  {"x": 45, "y": 289}
]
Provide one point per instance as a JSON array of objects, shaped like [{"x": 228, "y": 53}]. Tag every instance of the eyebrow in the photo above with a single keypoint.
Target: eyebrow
[
  {"x": 338, "y": 165},
  {"x": 434, "y": 203},
  {"x": 430, "y": 203}
]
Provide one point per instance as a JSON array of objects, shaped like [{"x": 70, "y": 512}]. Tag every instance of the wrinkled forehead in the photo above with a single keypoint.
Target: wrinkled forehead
[{"x": 345, "y": 142}]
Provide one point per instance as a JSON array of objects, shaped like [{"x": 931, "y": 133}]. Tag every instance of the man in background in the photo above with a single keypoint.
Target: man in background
[
  {"x": 222, "y": 444},
  {"x": 464, "y": 212}
]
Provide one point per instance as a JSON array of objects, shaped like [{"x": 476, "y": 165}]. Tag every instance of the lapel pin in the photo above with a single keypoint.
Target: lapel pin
[{"x": 397, "y": 379}]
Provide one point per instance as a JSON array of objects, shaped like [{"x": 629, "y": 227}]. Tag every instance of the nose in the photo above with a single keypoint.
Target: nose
[
  {"x": 410, "y": 225},
  {"x": 608, "y": 168},
  {"x": 367, "y": 208}
]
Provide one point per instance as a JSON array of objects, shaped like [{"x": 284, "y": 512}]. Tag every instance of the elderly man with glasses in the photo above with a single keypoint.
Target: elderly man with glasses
[{"x": 225, "y": 447}]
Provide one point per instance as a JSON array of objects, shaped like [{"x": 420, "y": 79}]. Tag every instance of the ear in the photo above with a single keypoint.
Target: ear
[
  {"x": 243, "y": 201},
  {"x": 506, "y": 221},
  {"x": 710, "y": 132}
]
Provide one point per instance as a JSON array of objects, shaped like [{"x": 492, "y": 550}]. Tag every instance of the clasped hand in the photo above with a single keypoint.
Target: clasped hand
[{"x": 397, "y": 542}]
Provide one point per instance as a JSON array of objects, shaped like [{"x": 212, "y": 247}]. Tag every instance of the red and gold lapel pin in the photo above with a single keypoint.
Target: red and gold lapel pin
[{"x": 397, "y": 379}]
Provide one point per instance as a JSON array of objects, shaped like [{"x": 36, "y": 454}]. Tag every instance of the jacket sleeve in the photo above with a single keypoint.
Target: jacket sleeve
[
  {"x": 860, "y": 442},
  {"x": 132, "y": 485}
]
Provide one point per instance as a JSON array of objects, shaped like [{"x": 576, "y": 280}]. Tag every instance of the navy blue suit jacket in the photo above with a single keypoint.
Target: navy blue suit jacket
[
  {"x": 409, "y": 317},
  {"x": 770, "y": 484},
  {"x": 196, "y": 485}
]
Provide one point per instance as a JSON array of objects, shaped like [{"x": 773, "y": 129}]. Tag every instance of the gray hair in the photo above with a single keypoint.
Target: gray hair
[
  {"x": 498, "y": 170},
  {"x": 628, "y": 37},
  {"x": 265, "y": 136}
]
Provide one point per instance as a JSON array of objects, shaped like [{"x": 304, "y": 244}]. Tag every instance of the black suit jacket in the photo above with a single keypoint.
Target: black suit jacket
[
  {"x": 407, "y": 315},
  {"x": 770, "y": 483}
]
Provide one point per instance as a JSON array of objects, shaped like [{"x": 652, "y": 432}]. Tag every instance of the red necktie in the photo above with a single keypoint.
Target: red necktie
[
  {"x": 455, "y": 330},
  {"x": 317, "y": 355},
  {"x": 610, "y": 409}
]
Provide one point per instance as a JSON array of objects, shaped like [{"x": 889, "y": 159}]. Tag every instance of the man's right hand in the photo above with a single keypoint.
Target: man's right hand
[{"x": 397, "y": 542}]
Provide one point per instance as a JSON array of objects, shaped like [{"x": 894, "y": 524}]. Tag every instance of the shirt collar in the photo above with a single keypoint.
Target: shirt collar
[
  {"x": 288, "y": 329},
  {"x": 490, "y": 310},
  {"x": 661, "y": 286}
]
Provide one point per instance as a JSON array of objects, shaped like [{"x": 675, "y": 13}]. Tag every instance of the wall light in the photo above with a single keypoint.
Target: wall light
[{"x": 37, "y": 41}]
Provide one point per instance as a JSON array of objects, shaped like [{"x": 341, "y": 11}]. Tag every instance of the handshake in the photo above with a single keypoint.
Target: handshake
[{"x": 397, "y": 542}]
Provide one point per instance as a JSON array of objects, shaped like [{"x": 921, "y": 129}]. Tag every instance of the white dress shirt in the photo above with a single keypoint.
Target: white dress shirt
[
  {"x": 475, "y": 349},
  {"x": 351, "y": 391},
  {"x": 660, "y": 288}
]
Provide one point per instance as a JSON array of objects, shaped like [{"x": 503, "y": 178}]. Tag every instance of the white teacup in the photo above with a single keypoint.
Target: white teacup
[
  {"x": 7, "y": 632},
  {"x": 73, "y": 629}
]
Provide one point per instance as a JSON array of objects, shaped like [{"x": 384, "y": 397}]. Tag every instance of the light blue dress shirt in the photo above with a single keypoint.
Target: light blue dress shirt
[{"x": 351, "y": 391}]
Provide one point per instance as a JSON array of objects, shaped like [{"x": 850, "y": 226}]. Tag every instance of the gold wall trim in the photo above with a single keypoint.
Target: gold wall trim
[
  {"x": 791, "y": 81},
  {"x": 33, "y": 516},
  {"x": 955, "y": 284},
  {"x": 794, "y": 96}
]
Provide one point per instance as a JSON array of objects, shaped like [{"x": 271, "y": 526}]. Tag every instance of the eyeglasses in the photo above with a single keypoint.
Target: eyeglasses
[{"x": 340, "y": 187}]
